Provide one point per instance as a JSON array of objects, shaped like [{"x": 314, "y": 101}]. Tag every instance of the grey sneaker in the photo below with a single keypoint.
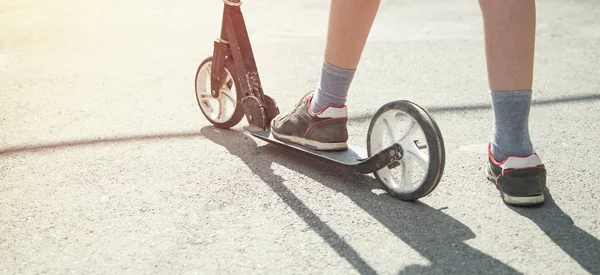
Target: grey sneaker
[
  {"x": 520, "y": 179},
  {"x": 325, "y": 130}
]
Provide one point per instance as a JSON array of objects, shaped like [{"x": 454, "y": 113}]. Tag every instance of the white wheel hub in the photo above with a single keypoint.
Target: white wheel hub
[
  {"x": 395, "y": 126},
  {"x": 219, "y": 109}
]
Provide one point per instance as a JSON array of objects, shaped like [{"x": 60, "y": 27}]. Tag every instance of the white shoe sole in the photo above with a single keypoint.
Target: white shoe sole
[
  {"x": 531, "y": 200},
  {"x": 321, "y": 146}
]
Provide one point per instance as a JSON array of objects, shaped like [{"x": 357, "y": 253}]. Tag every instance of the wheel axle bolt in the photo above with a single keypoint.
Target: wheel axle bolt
[
  {"x": 392, "y": 153},
  {"x": 249, "y": 117}
]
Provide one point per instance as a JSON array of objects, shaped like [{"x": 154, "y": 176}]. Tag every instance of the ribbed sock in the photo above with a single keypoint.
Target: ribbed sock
[
  {"x": 333, "y": 86},
  {"x": 511, "y": 124}
]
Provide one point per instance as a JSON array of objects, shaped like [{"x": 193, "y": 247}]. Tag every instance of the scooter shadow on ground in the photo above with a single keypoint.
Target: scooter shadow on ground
[
  {"x": 560, "y": 228},
  {"x": 433, "y": 234}
]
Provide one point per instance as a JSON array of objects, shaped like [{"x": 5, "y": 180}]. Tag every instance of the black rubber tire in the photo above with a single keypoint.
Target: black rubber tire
[
  {"x": 238, "y": 113},
  {"x": 442, "y": 163},
  {"x": 435, "y": 144}
]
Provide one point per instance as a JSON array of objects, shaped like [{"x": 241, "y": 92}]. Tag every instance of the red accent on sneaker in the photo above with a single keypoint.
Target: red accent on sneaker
[
  {"x": 491, "y": 157},
  {"x": 322, "y": 111}
]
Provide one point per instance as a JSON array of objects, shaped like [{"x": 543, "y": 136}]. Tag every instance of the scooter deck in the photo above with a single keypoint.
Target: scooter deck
[{"x": 355, "y": 158}]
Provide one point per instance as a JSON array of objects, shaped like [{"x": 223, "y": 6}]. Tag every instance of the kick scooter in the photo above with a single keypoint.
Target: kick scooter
[{"x": 405, "y": 149}]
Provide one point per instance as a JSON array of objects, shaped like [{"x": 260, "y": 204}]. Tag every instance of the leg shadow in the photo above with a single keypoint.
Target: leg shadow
[
  {"x": 433, "y": 234},
  {"x": 578, "y": 244},
  {"x": 259, "y": 162}
]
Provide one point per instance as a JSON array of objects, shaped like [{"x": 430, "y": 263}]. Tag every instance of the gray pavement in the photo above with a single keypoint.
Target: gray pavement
[{"x": 108, "y": 166}]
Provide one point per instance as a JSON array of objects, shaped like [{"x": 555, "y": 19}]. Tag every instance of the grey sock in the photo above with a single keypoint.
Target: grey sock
[
  {"x": 333, "y": 86},
  {"x": 511, "y": 124}
]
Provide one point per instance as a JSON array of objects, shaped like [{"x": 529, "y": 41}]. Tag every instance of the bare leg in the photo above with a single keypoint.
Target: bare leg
[
  {"x": 350, "y": 22},
  {"x": 509, "y": 43}
]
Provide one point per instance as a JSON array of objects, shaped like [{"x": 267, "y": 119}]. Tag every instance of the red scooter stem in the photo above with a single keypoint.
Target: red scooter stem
[{"x": 234, "y": 44}]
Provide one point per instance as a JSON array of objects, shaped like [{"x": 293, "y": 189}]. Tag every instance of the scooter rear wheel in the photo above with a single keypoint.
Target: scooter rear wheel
[
  {"x": 225, "y": 110},
  {"x": 419, "y": 171}
]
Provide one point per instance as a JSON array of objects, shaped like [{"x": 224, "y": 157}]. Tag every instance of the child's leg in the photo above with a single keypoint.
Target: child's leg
[
  {"x": 509, "y": 43},
  {"x": 350, "y": 22},
  {"x": 319, "y": 122}
]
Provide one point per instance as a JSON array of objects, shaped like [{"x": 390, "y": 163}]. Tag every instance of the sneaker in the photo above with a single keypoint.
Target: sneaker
[
  {"x": 325, "y": 130},
  {"x": 520, "y": 179}
]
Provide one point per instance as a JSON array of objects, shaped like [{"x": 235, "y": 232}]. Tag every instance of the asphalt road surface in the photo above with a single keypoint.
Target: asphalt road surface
[{"x": 107, "y": 165}]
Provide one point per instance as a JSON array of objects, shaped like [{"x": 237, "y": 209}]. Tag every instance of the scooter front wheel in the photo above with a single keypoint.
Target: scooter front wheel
[
  {"x": 225, "y": 110},
  {"x": 423, "y": 158}
]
